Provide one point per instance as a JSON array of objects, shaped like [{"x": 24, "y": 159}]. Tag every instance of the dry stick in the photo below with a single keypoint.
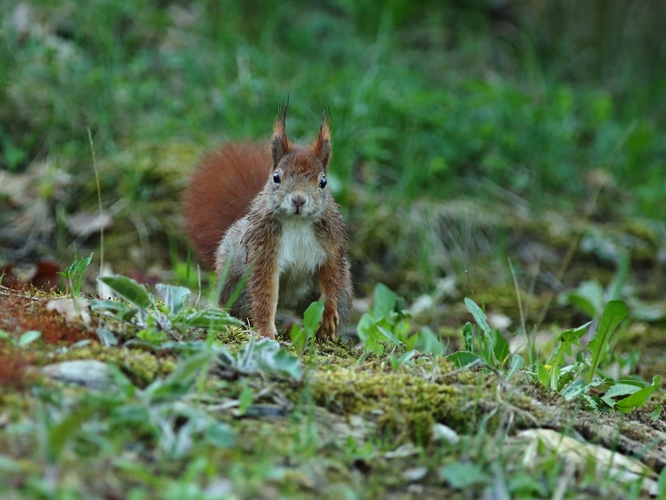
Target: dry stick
[
  {"x": 99, "y": 201},
  {"x": 586, "y": 215}
]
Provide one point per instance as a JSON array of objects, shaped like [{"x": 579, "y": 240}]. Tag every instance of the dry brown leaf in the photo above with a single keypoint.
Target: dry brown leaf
[{"x": 67, "y": 309}]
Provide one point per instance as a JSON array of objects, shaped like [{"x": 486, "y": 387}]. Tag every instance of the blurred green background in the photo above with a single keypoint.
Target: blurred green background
[{"x": 460, "y": 128}]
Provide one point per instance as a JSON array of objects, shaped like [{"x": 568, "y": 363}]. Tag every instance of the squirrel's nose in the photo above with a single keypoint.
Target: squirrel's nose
[{"x": 298, "y": 200}]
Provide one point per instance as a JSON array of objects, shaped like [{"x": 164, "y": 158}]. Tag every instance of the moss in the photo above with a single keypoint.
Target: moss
[
  {"x": 146, "y": 365},
  {"x": 404, "y": 403},
  {"x": 235, "y": 338},
  {"x": 644, "y": 337}
]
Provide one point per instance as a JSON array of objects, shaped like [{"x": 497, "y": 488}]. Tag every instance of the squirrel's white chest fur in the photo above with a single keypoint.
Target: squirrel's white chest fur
[{"x": 299, "y": 259}]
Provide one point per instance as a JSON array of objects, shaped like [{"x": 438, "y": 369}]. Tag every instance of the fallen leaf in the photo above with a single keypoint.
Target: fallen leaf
[
  {"x": 67, "y": 309},
  {"x": 87, "y": 223},
  {"x": 621, "y": 467}
]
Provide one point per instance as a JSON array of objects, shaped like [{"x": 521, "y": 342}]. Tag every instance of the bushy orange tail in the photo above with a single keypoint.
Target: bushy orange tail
[{"x": 220, "y": 192}]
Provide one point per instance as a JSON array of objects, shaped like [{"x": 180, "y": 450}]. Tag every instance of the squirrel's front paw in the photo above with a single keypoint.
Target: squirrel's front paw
[
  {"x": 268, "y": 332},
  {"x": 329, "y": 324}
]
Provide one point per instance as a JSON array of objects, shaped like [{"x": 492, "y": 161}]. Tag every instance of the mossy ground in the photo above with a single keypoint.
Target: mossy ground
[{"x": 352, "y": 427}]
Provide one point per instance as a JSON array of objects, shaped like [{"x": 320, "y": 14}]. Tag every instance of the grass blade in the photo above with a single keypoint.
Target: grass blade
[{"x": 614, "y": 313}]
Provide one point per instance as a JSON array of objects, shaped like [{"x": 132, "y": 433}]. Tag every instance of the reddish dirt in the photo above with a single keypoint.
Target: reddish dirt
[
  {"x": 20, "y": 312},
  {"x": 13, "y": 372}
]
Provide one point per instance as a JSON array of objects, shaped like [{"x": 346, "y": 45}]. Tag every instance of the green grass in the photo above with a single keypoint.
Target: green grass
[
  {"x": 410, "y": 118},
  {"x": 428, "y": 106},
  {"x": 218, "y": 415}
]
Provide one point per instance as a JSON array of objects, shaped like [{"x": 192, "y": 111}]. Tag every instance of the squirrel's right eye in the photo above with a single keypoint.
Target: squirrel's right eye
[{"x": 276, "y": 178}]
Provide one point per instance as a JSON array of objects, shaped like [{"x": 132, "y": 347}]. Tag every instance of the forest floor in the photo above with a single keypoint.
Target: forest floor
[{"x": 107, "y": 403}]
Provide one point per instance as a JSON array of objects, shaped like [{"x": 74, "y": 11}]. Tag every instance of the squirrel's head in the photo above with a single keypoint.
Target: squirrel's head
[{"x": 298, "y": 185}]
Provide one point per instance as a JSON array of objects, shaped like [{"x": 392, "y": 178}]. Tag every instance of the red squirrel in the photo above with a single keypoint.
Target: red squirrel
[{"x": 267, "y": 214}]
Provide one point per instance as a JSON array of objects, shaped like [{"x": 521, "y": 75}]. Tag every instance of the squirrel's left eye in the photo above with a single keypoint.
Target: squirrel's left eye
[
  {"x": 276, "y": 178},
  {"x": 322, "y": 182}
]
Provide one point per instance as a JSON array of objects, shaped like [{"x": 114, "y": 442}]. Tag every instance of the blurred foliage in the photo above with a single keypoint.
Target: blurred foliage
[{"x": 434, "y": 100}]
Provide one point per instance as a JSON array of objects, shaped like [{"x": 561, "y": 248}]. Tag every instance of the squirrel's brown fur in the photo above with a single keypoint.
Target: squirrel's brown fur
[
  {"x": 220, "y": 192},
  {"x": 270, "y": 219}
]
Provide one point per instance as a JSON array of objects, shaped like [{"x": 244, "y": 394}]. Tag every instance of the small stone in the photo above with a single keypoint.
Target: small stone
[
  {"x": 441, "y": 432},
  {"x": 415, "y": 474},
  {"x": 84, "y": 372}
]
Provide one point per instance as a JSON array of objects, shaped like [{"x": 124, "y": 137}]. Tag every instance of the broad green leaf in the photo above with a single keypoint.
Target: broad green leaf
[
  {"x": 572, "y": 337},
  {"x": 369, "y": 335},
  {"x": 614, "y": 313},
  {"x": 461, "y": 475},
  {"x": 214, "y": 319},
  {"x": 182, "y": 379},
  {"x": 516, "y": 363},
  {"x": 286, "y": 363},
  {"x": 397, "y": 362},
  {"x": 468, "y": 335},
  {"x": 633, "y": 380},
  {"x": 28, "y": 337},
  {"x": 646, "y": 312},
  {"x": 465, "y": 358},
  {"x": 592, "y": 401},
  {"x": 175, "y": 297},
  {"x": 428, "y": 343},
  {"x": 411, "y": 342},
  {"x": 479, "y": 316},
  {"x": 298, "y": 339},
  {"x": 588, "y": 297},
  {"x": 623, "y": 267},
  {"x": 266, "y": 356},
  {"x": 220, "y": 435},
  {"x": 59, "y": 434},
  {"x": 637, "y": 399},
  {"x": 129, "y": 290},
  {"x": 76, "y": 267},
  {"x": 190, "y": 366},
  {"x": 388, "y": 334},
  {"x": 554, "y": 376},
  {"x": 575, "y": 389},
  {"x": 500, "y": 346},
  {"x": 312, "y": 317},
  {"x": 6, "y": 336},
  {"x": 618, "y": 390},
  {"x": 106, "y": 337},
  {"x": 245, "y": 399},
  {"x": 543, "y": 374},
  {"x": 119, "y": 309},
  {"x": 365, "y": 324},
  {"x": 272, "y": 359},
  {"x": 384, "y": 301}
]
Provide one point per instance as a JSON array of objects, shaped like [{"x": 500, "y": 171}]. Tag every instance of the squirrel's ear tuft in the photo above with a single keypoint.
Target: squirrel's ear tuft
[
  {"x": 322, "y": 146},
  {"x": 279, "y": 142}
]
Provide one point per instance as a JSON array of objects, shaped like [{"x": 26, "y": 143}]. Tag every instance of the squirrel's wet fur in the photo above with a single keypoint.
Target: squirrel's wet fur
[{"x": 267, "y": 216}]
